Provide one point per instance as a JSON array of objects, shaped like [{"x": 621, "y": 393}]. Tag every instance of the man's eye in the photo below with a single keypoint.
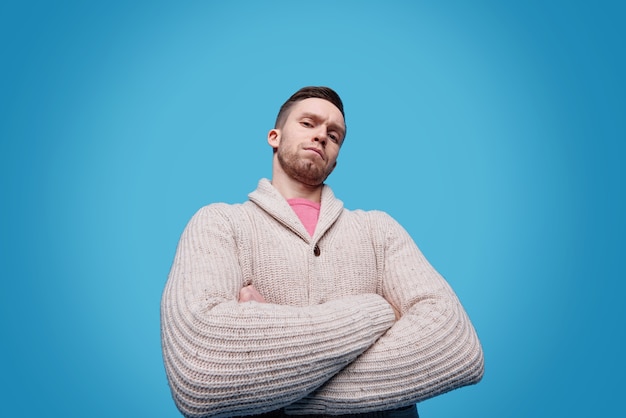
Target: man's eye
[{"x": 306, "y": 124}]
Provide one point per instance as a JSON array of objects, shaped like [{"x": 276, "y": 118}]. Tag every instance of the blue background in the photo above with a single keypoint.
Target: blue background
[{"x": 493, "y": 131}]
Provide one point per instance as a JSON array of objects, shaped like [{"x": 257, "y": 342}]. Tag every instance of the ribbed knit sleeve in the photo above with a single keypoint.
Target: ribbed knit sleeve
[
  {"x": 432, "y": 349},
  {"x": 225, "y": 358}
]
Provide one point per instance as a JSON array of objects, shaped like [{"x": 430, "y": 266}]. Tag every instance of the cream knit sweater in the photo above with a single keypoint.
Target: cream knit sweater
[{"x": 327, "y": 341}]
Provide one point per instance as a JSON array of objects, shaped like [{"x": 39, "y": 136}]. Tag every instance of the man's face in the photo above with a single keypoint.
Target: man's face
[{"x": 308, "y": 143}]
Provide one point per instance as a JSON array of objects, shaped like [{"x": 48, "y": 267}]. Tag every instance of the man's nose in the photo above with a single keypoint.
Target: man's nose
[{"x": 321, "y": 136}]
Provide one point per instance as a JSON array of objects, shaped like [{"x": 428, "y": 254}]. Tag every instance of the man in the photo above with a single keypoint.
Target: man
[{"x": 290, "y": 304}]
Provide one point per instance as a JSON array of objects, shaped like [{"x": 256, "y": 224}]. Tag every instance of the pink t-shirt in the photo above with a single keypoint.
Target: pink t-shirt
[{"x": 308, "y": 212}]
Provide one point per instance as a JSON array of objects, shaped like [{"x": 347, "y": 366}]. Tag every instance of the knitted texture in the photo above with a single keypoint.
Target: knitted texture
[{"x": 327, "y": 341}]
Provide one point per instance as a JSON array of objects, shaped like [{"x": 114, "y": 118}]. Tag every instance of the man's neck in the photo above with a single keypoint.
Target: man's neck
[{"x": 292, "y": 189}]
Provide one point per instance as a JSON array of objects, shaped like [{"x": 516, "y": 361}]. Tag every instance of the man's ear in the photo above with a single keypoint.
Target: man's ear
[{"x": 273, "y": 138}]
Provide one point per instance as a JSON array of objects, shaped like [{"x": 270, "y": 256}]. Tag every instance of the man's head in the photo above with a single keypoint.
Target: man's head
[
  {"x": 325, "y": 93},
  {"x": 309, "y": 131}
]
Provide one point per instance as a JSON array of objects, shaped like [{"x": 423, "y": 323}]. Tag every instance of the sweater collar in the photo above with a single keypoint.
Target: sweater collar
[{"x": 271, "y": 201}]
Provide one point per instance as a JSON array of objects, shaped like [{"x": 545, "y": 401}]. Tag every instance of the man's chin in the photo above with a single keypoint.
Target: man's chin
[
  {"x": 311, "y": 179},
  {"x": 306, "y": 171}
]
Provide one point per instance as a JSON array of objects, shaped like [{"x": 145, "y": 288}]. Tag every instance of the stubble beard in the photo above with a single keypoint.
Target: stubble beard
[{"x": 302, "y": 169}]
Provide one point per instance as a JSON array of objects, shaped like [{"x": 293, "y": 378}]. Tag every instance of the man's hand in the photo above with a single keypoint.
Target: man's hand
[
  {"x": 395, "y": 310},
  {"x": 249, "y": 293}
]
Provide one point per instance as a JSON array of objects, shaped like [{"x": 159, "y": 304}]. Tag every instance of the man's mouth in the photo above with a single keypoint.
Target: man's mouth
[{"x": 317, "y": 150}]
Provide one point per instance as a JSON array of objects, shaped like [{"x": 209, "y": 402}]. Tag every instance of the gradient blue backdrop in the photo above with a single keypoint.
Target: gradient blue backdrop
[{"x": 493, "y": 131}]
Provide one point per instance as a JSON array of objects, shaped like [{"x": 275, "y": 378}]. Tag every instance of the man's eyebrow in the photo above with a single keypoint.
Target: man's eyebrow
[{"x": 310, "y": 115}]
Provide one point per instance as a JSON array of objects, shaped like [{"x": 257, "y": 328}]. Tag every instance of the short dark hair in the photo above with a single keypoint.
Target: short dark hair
[{"x": 318, "y": 92}]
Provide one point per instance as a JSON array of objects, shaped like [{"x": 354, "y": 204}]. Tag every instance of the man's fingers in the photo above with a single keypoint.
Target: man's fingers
[{"x": 249, "y": 293}]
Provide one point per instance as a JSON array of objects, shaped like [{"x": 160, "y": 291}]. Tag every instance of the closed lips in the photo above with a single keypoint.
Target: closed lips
[{"x": 316, "y": 150}]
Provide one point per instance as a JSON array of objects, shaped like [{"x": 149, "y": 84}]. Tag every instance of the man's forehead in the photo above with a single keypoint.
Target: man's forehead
[{"x": 319, "y": 107}]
